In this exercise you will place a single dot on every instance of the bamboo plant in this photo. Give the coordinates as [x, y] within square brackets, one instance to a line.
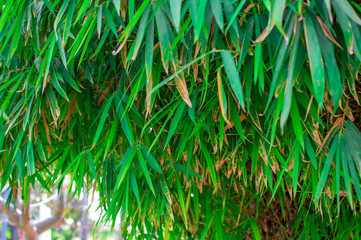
[214, 119]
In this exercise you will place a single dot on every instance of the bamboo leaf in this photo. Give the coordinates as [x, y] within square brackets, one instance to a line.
[117, 6]
[218, 12]
[233, 76]
[175, 8]
[181, 199]
[135, 187]
[145, 171]
[103, 118]
[326, 168]
[57, 86]
[316, 65]
[235, 14]
[165, 190]
[277, 9]
[175, 121]
[210, 165]
[126, 161]
[185, 170]
[91, 163]
[222, 97]
[290, 79]
[150, 159]
[346, 7]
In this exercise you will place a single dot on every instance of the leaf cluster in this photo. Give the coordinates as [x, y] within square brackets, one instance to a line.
[191, 118]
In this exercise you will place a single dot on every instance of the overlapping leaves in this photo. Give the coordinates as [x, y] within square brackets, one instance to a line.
[189, 117]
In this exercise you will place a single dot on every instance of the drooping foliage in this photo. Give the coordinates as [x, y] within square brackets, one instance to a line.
[212, 119]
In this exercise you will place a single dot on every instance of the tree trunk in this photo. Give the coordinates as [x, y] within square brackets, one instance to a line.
[25, 221]
[22, 217]
[4, 219]
[84, 217]
[14, 233]
[31, 235]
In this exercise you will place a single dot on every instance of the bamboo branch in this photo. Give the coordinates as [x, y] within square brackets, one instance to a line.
[13, 213]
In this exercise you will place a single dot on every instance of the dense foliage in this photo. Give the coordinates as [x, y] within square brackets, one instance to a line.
[212, 119]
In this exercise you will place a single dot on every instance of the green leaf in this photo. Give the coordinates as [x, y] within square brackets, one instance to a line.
[150, 159]
[310, 151]
[296, 122]
[316, 65]
[235, 117]
[110, 21]
[290, 79]
[338, 170]
[165, 189]
[217, 10]
[185, 170]
[82, 9]
[175, 8]
[219, 227]
[103, 117]
[296, 166]
[346, 176]
[255, 230]
[140, 32]
[30, 159]
[346, 7]
[235, 14]
[222, 97]
[39, 148]
[134, 21]
[353, 156]
[117, 6]
[163, 36]
[57, 86]
[135, 187]
[126, 161]
[280, 175]
[198, 17]
[175, 121]
[333, 73]
[210, 165]
[86, 29]
[46, 62]
[149, 49]
[5, 12]
[233, 76]
[326, 168]
[60, 15]
[277, 9]
[99, 19]
[181, 199]
[111, 135]
[54, 107]
[179, 71]
[280, 59]
[91, 163]
[145, 171]
[65, 74]
[206, 228]
[124, 120]
[68, 22]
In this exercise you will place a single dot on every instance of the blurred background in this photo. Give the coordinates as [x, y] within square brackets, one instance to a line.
[81, 217]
